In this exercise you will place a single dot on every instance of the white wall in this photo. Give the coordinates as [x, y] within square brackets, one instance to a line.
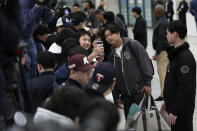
[112, 5]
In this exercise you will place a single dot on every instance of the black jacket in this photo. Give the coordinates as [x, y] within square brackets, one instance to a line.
[41, 88]
[184, 8]
[140, 31]
[134, 68]
[169, 7]
[71, 82]
[160, 41]
[180, 82]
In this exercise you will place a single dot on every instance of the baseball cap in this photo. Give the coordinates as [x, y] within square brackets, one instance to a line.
[104, 75]
[79, 62]
[63, 21]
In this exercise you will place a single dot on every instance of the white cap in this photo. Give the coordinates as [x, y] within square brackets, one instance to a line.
[59, 22]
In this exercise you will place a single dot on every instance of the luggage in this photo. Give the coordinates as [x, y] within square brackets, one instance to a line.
[146, 118]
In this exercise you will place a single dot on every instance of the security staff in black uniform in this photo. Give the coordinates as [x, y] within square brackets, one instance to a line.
[180, 82]
[182, 10]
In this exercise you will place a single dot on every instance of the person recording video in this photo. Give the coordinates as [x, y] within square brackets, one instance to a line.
[32, 12]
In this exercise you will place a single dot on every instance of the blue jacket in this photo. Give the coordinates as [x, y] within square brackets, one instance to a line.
[32, 15]
[193, 8]
[61, 74]
[41, 88]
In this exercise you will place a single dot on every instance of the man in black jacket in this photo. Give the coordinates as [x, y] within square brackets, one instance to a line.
[140, 27]
[159, 45]
[43, 86]
[182, 10]
[169, 11]
[180, 83]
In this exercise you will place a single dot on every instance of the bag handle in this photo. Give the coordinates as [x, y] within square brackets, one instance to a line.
[147, 102]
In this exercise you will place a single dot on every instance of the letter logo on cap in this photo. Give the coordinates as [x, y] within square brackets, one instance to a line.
[85, 60]
[99, 77]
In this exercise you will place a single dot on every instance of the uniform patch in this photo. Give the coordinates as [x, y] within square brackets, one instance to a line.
[127, 55]
[184, 69]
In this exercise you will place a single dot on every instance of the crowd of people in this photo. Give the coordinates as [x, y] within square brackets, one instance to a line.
[69, 59]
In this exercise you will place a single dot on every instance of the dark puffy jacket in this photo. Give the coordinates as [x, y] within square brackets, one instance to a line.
[160, 41]
[180, 82]
[41, 88]
[134, 69]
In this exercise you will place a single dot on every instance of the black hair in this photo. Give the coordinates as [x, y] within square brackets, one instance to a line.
[77, 50]
[112, 28]
[76, 4]
[67, 45]
[179, 27]
[100, 112]
[109, 16]
[64, 34]
[46, 59]
[121, 17]
[77, 17]
[91, 5]
[82, 33]
[69, 9]
[67, 101]
[50, 40]
[98, 12]
[137, 10]
[41, 30]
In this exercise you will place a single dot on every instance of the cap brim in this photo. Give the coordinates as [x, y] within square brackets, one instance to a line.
[85, 68]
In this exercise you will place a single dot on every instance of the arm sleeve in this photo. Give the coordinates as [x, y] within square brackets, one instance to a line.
[48, 15]
[185, 9]
[144, 62]
[161, 38]
[191, 10]
[185, 88]
[28, 15]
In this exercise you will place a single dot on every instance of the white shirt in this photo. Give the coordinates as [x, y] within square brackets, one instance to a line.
[118, 51]
[44, 115]
[54, 48]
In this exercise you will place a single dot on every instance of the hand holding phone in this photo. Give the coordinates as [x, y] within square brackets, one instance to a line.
[99, 44]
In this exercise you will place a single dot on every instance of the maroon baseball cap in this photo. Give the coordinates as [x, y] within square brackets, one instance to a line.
[79, 62]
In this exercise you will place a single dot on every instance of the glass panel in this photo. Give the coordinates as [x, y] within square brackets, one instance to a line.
[131, 4]
[148, 12]
[140, 4]
[123, 10]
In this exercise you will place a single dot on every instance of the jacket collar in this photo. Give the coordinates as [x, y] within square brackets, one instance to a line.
[73, 82]
[173, 52]
[47, 73]
[138, 18]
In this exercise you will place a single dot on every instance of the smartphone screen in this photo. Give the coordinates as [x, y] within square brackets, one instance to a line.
[66, 12]
[100, 43]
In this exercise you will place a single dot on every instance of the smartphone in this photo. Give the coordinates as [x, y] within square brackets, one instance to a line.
[66, 12]
[99, 42]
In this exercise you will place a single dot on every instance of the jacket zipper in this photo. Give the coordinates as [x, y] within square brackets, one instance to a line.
[127, 87]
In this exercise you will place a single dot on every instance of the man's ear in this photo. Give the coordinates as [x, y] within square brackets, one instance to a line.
[55, 66]
[77, 119]
[39, 67]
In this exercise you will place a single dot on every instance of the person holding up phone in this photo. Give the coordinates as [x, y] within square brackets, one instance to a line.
[84, 38]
